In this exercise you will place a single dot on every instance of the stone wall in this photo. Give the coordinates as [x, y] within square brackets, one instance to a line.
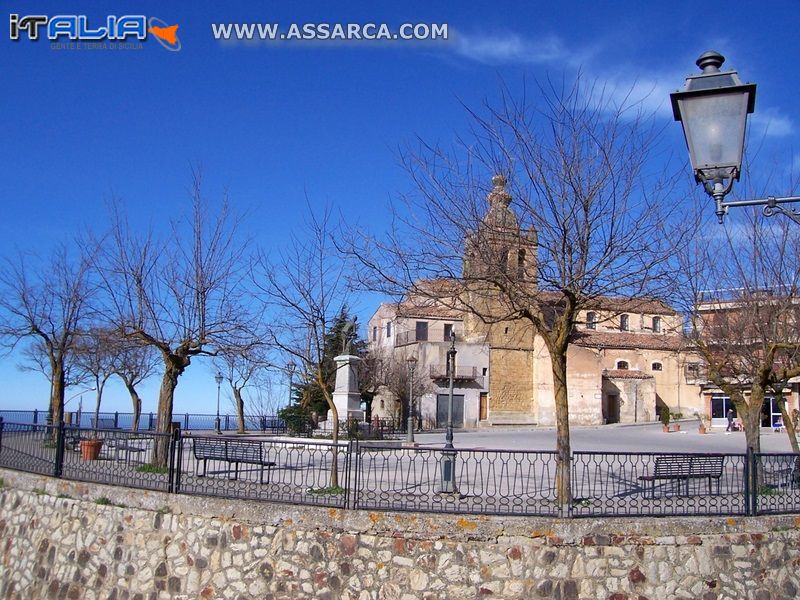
[57, 542]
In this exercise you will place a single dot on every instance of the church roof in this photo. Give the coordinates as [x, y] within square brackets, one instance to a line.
[626, 374]
[622, 340]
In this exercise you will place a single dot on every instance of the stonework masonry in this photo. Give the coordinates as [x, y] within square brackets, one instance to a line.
[57, 542]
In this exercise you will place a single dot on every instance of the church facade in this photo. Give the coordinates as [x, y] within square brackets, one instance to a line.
[627, 360]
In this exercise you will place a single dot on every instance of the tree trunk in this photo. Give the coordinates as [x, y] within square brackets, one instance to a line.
[237, 394]
[788, 424]
[558, 361]
[333, 416]
[750, 413]
[57, 395]
[166, 396]
[137, 405]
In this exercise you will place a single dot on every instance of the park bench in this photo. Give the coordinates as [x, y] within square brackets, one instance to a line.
[103, 423]
[781, 472]
[684, 468]
[234, 452]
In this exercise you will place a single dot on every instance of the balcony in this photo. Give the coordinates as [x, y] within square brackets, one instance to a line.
[404, 338]
[462, 374]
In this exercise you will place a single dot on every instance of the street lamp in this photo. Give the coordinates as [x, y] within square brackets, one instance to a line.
[412, 364]
[448, 478]
[290, 367]
[713, 108]
[218, 378]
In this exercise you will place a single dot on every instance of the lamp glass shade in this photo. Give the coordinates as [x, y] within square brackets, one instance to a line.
[714, 126]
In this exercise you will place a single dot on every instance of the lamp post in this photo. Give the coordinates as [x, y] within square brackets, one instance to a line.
[713, 108]
[447, 485]
[290, 368]
[218, 378]
[412, 363]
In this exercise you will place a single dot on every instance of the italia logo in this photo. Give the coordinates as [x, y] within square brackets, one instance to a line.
[78, 28]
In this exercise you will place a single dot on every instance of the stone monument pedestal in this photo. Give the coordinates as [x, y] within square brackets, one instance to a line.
[346, 396]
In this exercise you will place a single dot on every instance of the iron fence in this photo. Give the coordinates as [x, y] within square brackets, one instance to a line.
[497, 482]
[641, 484]
[267, 470]
[386, 476]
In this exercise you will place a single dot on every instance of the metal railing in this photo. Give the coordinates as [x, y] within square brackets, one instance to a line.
[496, 482]
[147, 420]
[391, 477]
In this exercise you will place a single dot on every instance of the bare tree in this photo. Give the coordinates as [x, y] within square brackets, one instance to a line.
[584, 218]
[133, 363]
[743, 294]
[241, 367]
[388, 375]
[182, 296]
[46, 304]
[305, 287]
[94, 357]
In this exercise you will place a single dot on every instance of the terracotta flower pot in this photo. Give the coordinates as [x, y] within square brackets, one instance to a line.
[676, 428]
[702, 429]
[90, 449]
[665, 428]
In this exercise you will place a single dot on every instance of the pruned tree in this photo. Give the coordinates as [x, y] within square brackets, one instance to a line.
[133, 363]
[390, 376]
[304, 287]
[46, 303]
[94, 357]
[183, 295]
[576, 212]
[743, 295]
[241, 366]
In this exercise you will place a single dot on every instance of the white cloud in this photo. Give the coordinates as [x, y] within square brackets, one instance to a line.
[510, 48]
[769, 122]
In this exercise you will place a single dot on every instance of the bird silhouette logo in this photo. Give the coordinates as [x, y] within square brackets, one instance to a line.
[166, 35]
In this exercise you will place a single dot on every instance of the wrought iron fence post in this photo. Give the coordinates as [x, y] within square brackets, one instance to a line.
[35, 416]
[175, 460]
[116, 419]
[227, 422]
[59, 462]
[353, 465]
[1, 434]
[186, 421]
[150, 422]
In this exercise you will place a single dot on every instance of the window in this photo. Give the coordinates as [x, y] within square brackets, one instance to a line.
[656, 324]
[484, 371]
[622, 365]
[422, 331]
[389, 329]
[591, 320]
[521, 264]
[624, 323]
[448, 329]
[374, 333]
[657, 366]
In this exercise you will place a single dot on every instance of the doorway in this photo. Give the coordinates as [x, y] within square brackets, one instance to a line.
[612, 408]
[441, 410]
[483, 406]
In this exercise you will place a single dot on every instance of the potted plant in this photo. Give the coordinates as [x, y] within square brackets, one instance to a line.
[90, 448]
[665, 420]
[703, 425]
[676, 416]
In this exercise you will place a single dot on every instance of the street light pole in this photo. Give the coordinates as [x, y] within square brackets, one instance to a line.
[448, 478]
[218, 378]
[412, 363]
[713, 108]
[290, 367]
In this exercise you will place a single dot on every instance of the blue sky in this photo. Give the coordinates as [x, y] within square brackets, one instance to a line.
[274, 123]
